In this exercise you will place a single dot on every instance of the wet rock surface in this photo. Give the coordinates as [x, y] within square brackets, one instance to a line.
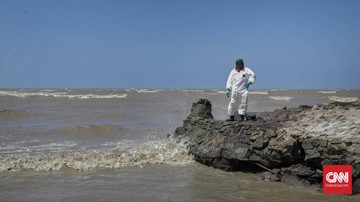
[288, 145]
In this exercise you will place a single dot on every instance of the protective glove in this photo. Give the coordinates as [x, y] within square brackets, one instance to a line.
[248, 83]
[228, 92]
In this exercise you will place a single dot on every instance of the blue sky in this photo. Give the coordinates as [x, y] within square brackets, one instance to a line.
[178, 44]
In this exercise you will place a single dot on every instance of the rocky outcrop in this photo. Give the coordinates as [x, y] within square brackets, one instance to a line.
[288, 145]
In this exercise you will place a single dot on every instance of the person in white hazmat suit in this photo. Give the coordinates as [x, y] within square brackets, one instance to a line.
[237, 86]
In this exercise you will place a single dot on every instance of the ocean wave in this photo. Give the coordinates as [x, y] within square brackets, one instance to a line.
[47, 90]
[250, 92]
[259, 92]
[90, 129]
[35, 147]
[327, 92]
[192, 90]
[92, 96]
[146, 91]
[285, 98]
[60, 95]
[156, 152]
[343, 99]
[9, 113]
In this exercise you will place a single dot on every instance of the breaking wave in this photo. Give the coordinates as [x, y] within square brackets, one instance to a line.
[259, 92]
[284, 98]
[220, 91]
[327, 92]
[192, 90]
[92, 96]
[146, 91]
[343, 99]
[278, 90]
[250, 92]
[156, 152]
[90, 129]
[60, 95]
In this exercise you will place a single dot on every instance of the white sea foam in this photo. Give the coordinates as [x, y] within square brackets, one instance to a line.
[343, 99]
[220, 91]
[156, 152]
[250, 92]
[60, 95]
[192, 90]
[47, 90]
[259, 92]
[23, 94]
[284, 98]
[277, 90]
[327, 92]
[146, 91]
[92, 96]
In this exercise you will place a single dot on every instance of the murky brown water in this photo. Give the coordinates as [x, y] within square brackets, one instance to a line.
[109, 145]
[153, 183]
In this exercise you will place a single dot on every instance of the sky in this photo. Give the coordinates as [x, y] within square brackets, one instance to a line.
[289, 44]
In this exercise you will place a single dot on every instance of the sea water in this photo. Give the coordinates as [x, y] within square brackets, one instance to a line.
[112, 145]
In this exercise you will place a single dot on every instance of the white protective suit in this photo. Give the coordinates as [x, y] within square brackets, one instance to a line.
[237, 85]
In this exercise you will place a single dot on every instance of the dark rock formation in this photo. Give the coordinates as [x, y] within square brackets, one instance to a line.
[274, 145]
